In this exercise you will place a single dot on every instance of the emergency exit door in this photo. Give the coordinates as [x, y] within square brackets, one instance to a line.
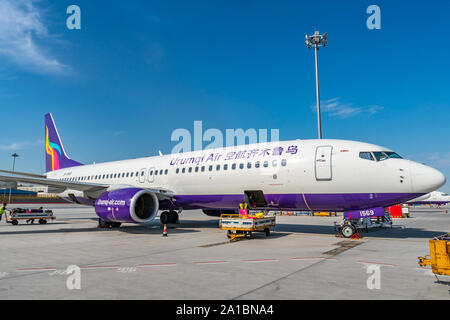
[323, 163]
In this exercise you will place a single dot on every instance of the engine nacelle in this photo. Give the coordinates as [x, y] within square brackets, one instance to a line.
[127, 205]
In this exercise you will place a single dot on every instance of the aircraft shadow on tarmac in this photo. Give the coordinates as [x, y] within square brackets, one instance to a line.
[396, 232]
[189, 226]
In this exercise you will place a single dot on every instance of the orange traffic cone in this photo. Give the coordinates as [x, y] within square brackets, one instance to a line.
[165, 231]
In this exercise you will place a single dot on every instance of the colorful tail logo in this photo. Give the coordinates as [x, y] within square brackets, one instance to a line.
[53, 150]
[55, 155]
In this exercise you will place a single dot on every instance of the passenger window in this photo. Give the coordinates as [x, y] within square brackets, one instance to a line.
[249, 165]
[166, 172]
[225, 167]
[203, 169]
[190, 169]
[177, 171]
[283, 162]
[241, 166]
[128, 174]
[274, 163]
[183, 170]
[196, 169]
[218, 167]
[366, 155]
[257, 164]
[131, 174]
[156, 172]
[210, 168]
[151, 173]
[161, 172]
[266, 164]
[233, 166]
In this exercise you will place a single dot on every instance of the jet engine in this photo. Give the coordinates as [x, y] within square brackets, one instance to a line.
[133, 205]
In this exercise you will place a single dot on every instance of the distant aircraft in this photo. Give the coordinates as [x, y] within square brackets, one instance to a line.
[315, 175]
[435, 197]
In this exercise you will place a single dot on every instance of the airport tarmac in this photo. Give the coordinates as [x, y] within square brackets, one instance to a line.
[302, 259]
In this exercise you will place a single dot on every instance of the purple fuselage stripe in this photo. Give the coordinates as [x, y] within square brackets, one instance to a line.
[316, 202]
[330, 202]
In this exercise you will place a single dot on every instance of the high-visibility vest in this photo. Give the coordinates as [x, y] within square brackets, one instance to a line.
[2, 210]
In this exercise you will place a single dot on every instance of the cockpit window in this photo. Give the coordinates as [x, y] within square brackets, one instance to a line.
[380, 156]
[366, 155]
[393, 155]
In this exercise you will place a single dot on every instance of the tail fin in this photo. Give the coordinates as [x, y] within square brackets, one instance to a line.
[55, 156]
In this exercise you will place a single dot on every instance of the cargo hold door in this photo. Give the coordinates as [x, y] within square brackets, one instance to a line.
[323, 163]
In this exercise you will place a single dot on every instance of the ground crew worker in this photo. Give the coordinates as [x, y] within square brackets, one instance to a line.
[2, 210]
[243, 212]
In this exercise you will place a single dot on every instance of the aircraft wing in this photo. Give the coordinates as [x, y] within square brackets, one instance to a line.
[81, 186]
[35, 175]
[161, 193]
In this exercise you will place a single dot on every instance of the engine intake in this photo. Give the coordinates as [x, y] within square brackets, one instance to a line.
[127, 205]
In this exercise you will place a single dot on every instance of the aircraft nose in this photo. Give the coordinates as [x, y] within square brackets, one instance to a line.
[425, 179]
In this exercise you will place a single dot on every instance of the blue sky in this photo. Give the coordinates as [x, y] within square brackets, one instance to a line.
[138, 70]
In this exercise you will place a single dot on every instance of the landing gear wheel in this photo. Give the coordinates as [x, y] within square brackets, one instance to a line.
[165, 217]
[15, 222]
[103, 224]
[348, 230]
[42, 221]
[173, 217]
[267, 230]
[116, 224]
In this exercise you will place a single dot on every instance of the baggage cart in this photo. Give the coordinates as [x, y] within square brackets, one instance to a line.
[242, 227]
[18, 214]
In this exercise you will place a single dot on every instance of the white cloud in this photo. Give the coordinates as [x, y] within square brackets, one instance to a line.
[20, 145]
[21, 24]
[345, 110]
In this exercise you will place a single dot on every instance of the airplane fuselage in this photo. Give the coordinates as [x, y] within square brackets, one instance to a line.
[299, 174]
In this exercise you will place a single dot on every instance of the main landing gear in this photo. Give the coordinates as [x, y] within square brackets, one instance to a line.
[102, 224]
[167, 217]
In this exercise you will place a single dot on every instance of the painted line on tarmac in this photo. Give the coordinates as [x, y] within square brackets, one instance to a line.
[210, 262]
[149, 265]
[260, 260]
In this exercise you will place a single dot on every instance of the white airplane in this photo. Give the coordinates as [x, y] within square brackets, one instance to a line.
[325, 175]
[435, 197]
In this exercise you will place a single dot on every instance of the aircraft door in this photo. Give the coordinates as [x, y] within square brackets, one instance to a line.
[323, 163]
[151, 174]
[142, 175]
